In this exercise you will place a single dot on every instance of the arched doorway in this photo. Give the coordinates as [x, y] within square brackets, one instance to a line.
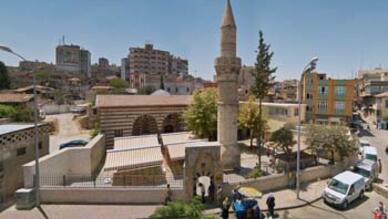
[172, 123]
[202, 165]
[144, 125]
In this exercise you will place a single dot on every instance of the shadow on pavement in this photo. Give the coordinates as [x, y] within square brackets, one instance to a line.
[41, 210]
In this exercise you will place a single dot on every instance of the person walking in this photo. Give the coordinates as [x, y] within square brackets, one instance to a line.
[383, 210]
[220, 197]
[257, 211]
[225, 208]
[377, 214]
[271, 205]
[239, 208]
[212, 191]
[168, 195]
[203, 191]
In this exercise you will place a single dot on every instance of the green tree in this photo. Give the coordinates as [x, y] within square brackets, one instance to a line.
[180, 209]
[42, 76]
[249, 118]
[283, 139]
[147, 90]
[4, 78]
[16, 113]
[201, 116]
[119, 83]
[332, 139]
[264, 80]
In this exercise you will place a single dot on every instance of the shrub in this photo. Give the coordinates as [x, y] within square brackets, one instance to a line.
[181, 209]
[255, 173]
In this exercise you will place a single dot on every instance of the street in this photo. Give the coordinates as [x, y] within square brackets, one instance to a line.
[68, 130]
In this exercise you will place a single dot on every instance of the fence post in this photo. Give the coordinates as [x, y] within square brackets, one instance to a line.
[64, 180]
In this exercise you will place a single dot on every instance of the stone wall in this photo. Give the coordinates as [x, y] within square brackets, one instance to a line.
[280, 181]
[124, 118]
[18, 148]
[122, 195]
[82, 161]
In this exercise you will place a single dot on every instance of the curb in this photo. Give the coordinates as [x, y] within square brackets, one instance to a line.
[218, 210]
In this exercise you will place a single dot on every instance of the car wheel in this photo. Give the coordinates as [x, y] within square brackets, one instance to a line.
[345, 205]
[361, 194]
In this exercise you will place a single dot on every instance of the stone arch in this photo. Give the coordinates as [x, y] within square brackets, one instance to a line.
[172, 123]
[203, 160]
[145, 124]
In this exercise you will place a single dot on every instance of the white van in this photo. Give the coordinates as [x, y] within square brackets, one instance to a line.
[367, 169]
[343, 189]
[369, 153]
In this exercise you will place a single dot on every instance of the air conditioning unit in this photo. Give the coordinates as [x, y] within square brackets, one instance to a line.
[25, 198]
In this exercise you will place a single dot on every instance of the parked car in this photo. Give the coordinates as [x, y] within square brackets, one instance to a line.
[73, 143]
[367, 169]
[77, 109]
[364, 143]
[343, 189]
[369, 153]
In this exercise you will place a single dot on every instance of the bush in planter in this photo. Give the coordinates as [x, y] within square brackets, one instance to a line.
[255, 173]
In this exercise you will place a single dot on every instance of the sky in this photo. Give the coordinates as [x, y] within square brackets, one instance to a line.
[346, 35]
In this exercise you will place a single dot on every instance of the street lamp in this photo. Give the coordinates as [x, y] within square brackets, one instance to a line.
[37, 176]
[307, 69]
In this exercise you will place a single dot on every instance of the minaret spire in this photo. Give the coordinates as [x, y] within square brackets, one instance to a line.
[228, 16]
[228, 32]
[228, 67]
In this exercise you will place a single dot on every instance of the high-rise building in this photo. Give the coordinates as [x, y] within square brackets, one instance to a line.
[71, 58]
[327, 100]
[124, 69]
[148, 60]
[228, 66]
[103, 63]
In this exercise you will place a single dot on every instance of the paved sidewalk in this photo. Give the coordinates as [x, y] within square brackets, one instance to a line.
[81, 211]
[286, 199]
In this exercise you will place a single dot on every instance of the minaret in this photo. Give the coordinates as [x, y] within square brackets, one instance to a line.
[228, 67]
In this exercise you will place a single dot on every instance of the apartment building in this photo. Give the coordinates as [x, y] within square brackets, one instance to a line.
[148, 60]
[327, 100]
[382, 110]
[74, 59]
[371, 83]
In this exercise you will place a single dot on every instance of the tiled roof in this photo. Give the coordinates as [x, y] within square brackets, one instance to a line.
[15, 98]
[133, 158]
[142, 100]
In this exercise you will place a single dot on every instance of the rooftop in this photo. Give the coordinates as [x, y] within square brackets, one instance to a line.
[348, 177]
[142, 100]
[9, 128]
[15, 98]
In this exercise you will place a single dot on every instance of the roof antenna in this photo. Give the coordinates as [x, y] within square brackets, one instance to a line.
[63, 39]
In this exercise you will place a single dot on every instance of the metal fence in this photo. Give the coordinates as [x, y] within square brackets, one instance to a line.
[111, 181]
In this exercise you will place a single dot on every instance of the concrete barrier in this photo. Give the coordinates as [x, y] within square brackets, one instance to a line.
[108, 195]
[80, 161]
[381, 189]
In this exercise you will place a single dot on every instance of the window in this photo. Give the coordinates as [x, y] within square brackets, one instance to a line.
[188, 90]
[386, 103]
[340, 90]
[322, 106]
[20, 151]
[118, 133]
[339, 106]
[323, 90]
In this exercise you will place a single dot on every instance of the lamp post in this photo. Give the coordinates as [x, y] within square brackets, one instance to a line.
[307, 69]
[37, 175]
